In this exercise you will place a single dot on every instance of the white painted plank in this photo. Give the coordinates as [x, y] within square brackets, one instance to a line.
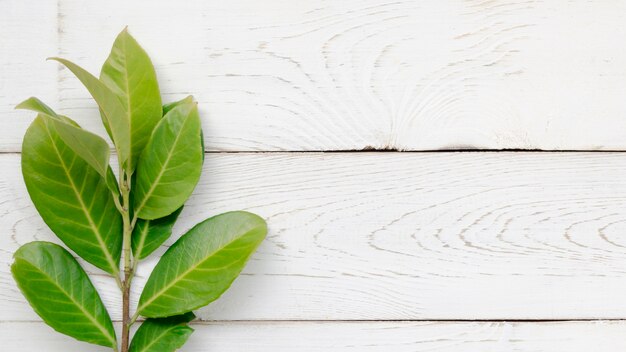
[310, 75]
[28, 34]
[358, 336]
[397, 235]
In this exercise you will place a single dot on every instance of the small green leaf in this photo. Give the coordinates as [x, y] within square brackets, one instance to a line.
[170, 166]
[72, 198]
[202, 264]
[59, 291]
[115, 115]
[36, 105]
[148, 235]
[163, 334]
[89, 146]
[129, 73]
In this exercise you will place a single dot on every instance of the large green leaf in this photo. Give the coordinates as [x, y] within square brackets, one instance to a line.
[170, 166]
[202, 264]
[115, 116]
[148, 235]
[61, 293]
[162, 334]
[72, 198]
[129, 73]
[91, 147]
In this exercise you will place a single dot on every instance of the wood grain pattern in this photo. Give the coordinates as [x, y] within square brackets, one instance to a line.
[342, 75]
[28, 34]
[359, 240]
[381, 236]
[358, 336]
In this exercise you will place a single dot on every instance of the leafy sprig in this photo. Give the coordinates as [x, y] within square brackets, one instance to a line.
[107, 220]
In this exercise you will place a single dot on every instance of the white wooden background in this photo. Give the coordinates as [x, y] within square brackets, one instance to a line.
[367, 251]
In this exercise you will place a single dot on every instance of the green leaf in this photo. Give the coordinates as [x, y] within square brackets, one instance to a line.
[115, 116]
[148, 235]
[169, 106]
[36, 105]
[89, 146]
[163, 334]
[129, 73]
[202, 264]
[170, 166]
[59, 291]
[72, 198]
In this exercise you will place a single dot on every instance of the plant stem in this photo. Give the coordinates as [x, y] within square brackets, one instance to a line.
[128, 265]
[126, 316]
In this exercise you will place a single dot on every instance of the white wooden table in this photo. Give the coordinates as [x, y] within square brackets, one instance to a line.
[433, 249]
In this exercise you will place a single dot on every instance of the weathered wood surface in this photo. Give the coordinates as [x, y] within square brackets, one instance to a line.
[28, 34]
[397, 235]
[343, 75]
[358, 337]
[367, 236]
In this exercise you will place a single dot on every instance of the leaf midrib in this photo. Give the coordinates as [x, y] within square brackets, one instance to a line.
[128, 102]
[142, 239]
[76, 303]
[92, 224]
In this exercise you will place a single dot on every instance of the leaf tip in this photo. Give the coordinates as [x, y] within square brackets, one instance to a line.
[24, 104]
[124, 32]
